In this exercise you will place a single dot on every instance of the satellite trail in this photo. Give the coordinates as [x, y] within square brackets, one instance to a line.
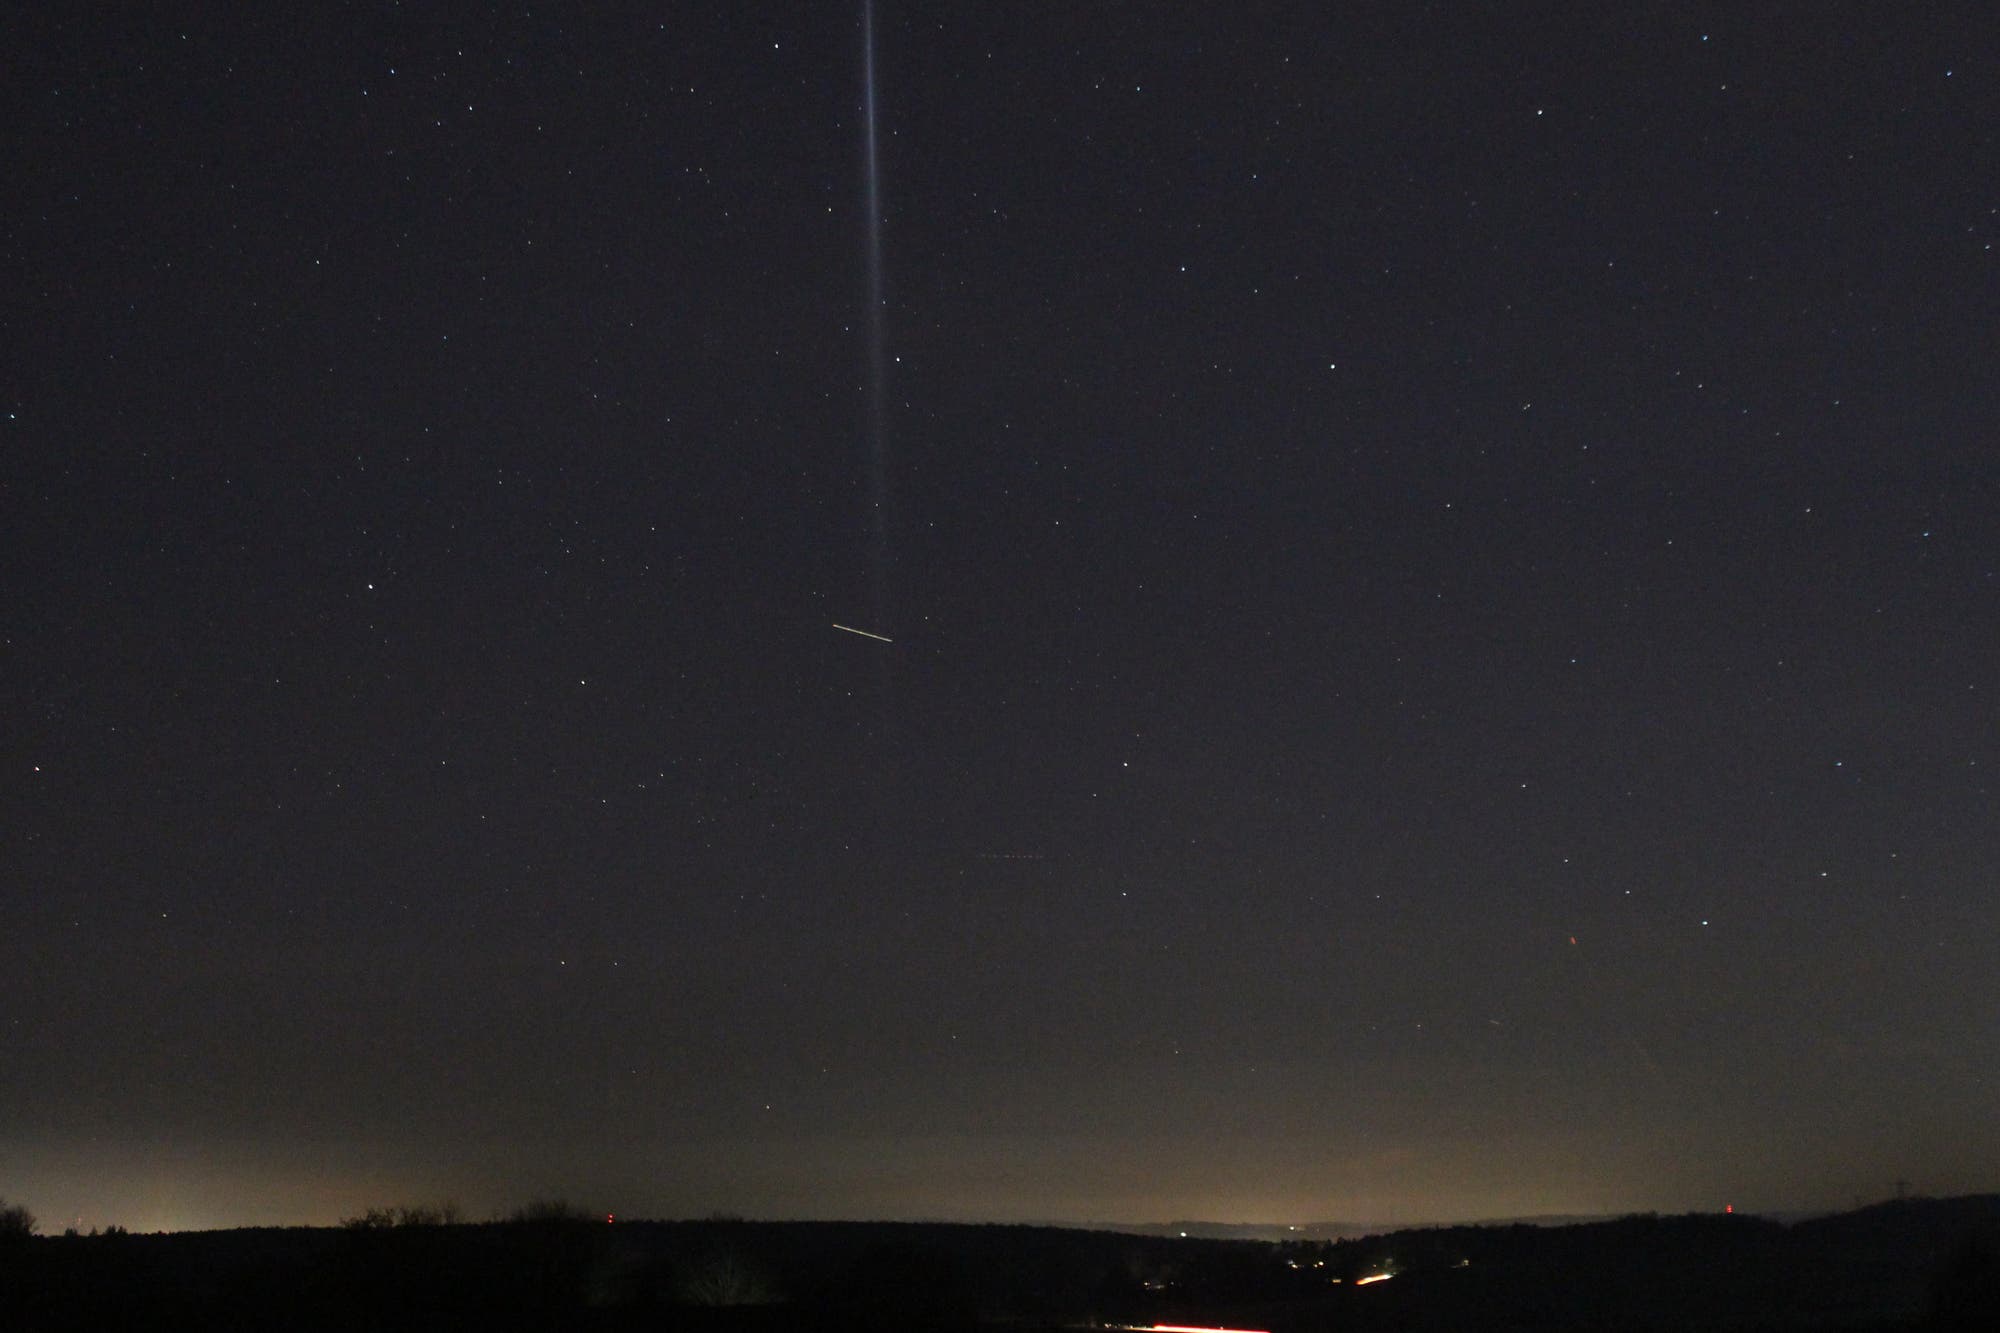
[879, 638]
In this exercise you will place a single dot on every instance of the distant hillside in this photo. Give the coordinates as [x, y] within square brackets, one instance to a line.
[1918, 1264]
[1282, 1231]
[1261, 1231]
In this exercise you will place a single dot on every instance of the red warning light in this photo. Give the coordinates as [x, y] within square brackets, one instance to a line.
[610, 1218]
[1728, 1207]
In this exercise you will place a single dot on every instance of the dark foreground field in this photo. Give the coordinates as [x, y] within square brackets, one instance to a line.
[1911, 1264]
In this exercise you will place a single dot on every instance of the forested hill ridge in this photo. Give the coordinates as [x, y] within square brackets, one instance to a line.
[1911, 1264]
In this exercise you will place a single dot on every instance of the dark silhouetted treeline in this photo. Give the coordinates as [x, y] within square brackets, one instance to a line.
[1913, 1264]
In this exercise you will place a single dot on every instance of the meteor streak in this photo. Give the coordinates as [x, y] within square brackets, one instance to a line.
[878, 427]
[863, 633]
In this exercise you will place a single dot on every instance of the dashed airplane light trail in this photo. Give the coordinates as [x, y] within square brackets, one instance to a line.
[863, 633]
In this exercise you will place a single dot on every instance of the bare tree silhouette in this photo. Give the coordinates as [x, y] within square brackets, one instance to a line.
[410, 1215]
[723, 1276]
[16, 1222]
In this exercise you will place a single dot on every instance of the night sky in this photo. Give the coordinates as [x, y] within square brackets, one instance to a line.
[1441, 561]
